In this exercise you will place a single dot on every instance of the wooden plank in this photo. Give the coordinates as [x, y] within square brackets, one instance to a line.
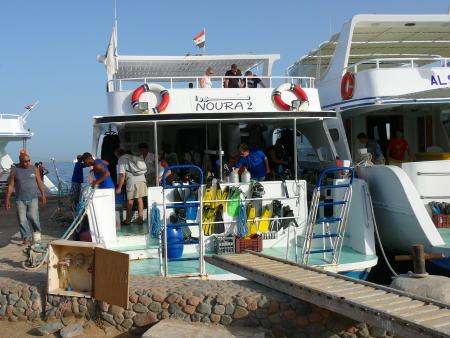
[369, 294]
[308, 279]
[346, 287]
[404, 307]
[389, 298]
[112, 277]
[325, 283]
[438, 322]
[421, 311]
[354, 292]
[422, 318]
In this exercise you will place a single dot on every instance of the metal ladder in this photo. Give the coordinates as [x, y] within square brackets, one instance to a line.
[163, 245]
[335, 236]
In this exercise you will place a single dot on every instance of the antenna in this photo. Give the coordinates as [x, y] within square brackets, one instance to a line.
[115, 23]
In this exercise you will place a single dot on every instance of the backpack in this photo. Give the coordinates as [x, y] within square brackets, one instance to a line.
[136, 165]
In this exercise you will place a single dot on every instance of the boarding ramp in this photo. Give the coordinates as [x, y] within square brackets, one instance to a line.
[396, 311]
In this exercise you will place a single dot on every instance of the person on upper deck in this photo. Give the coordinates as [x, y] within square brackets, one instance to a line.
[101, 172]
[251, 81]
[255, 161]
[233, 82]
[372, 147]
[205, 81]
[397, 149]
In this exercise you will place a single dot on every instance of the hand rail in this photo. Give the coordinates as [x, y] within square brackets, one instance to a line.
[445, 62]
[328, 170]
[304, 81]
[420, 173]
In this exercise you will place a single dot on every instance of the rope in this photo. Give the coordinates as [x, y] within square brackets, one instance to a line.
[87, 196]
[242, 226]
[155, 221]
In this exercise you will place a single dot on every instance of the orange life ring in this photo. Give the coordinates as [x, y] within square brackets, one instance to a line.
[347, 86]
[297, 90]
[153, 87]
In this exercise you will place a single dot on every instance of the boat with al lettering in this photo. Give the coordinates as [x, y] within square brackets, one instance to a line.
[310, 212]
[385, 74]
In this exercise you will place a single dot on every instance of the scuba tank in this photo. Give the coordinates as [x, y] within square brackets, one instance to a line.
[233, 177]
[246, 176]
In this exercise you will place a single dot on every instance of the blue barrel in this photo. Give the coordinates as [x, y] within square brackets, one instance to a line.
[174, 243]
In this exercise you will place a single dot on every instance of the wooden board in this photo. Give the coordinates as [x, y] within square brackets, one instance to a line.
[112, 277]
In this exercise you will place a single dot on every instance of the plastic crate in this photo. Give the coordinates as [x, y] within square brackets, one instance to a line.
[441, 220]
[224, 245]
[254, 244]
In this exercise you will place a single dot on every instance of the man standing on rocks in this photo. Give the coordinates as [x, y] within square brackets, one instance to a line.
[26, 180]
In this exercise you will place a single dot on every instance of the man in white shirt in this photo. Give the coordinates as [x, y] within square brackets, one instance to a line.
[136, 186]
[149, 159]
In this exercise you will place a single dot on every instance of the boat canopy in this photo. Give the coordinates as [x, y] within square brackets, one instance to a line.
[133, 67]
[382, 36]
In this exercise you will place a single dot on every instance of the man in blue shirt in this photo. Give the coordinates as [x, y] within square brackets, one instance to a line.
[372, 147]
[255, 161]
[77, 181]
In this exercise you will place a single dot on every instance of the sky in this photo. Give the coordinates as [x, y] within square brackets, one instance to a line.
[49, 48]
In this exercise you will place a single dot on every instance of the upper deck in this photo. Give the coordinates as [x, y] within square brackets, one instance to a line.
[180, 76]
[12, 127]
[392, 58]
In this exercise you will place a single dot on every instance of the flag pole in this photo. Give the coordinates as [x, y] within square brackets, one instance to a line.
[204, 45]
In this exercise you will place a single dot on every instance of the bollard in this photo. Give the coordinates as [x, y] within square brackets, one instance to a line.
[418, 256]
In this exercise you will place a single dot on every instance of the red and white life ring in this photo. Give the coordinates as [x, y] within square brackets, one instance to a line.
[297, 90]
[153, 87]
[347, 86]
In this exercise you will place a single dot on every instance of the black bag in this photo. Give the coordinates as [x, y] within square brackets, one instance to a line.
[287, 212]
[276, 208]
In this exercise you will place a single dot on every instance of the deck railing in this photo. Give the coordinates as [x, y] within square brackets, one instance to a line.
[10, 117]
[179, 82]
[399, 63]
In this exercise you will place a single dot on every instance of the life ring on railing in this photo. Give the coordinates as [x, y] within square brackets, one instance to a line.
[297, 90]
[153, 87]
[347, 86]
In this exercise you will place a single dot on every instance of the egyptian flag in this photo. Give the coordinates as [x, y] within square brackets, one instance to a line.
[200, 39]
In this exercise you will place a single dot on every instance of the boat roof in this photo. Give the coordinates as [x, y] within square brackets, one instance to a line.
[384, 36]
[132, 67]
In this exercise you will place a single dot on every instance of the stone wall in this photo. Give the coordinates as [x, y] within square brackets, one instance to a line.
[19, 302]
[225, 302]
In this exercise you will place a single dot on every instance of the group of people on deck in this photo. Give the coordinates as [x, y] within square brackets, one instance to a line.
[232, 79]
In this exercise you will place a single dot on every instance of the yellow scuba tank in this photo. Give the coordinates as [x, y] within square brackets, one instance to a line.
[263, 225]
[251, 214]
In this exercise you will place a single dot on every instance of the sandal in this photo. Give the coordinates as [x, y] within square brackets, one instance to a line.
[126, 223]
[140, 221]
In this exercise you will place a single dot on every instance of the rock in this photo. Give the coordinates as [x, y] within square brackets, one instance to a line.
[172, 298]
[214, 318]
[226, 320]
[133, 298]
[204, 308]
[241, 302]
[129, 314]
[118, 318]
[18, 311]
[71, 331]
[195, 317]
[104, 306]
[158, 297]
[219, 309]
[127, 324]
[140, 308]
[144, 319]
[229, 309]
[3, 300]
[155, 307]
[21, 304]
[273, 307]
[377, 332]
[12, 298]
[49, 328]
[314, 317]
[275, 318]
[194, 301]
[174, 308]
[115, 310]
[189, 309]
[363, 330]
[26, 294]
[108, 318]
[240, 312]
[145, 300]
[82, 308]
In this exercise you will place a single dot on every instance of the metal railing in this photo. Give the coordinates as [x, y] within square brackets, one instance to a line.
[10, 117]
[399, 62]
[217, 81]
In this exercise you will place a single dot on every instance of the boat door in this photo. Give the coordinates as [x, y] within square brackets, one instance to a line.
[382, 128]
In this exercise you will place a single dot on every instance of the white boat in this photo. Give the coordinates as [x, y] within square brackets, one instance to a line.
[385, 73]
[12, 129]
[150, 100]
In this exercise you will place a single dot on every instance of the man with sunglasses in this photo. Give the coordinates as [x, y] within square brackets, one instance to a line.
[26, 181]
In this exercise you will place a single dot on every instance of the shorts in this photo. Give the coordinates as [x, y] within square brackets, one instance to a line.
[136, 190]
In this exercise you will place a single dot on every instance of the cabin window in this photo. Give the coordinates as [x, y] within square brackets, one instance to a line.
[334, 133]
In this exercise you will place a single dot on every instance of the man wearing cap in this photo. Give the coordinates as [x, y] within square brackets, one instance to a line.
[25, 180]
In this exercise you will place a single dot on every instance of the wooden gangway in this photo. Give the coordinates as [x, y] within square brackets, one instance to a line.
[401, 313]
